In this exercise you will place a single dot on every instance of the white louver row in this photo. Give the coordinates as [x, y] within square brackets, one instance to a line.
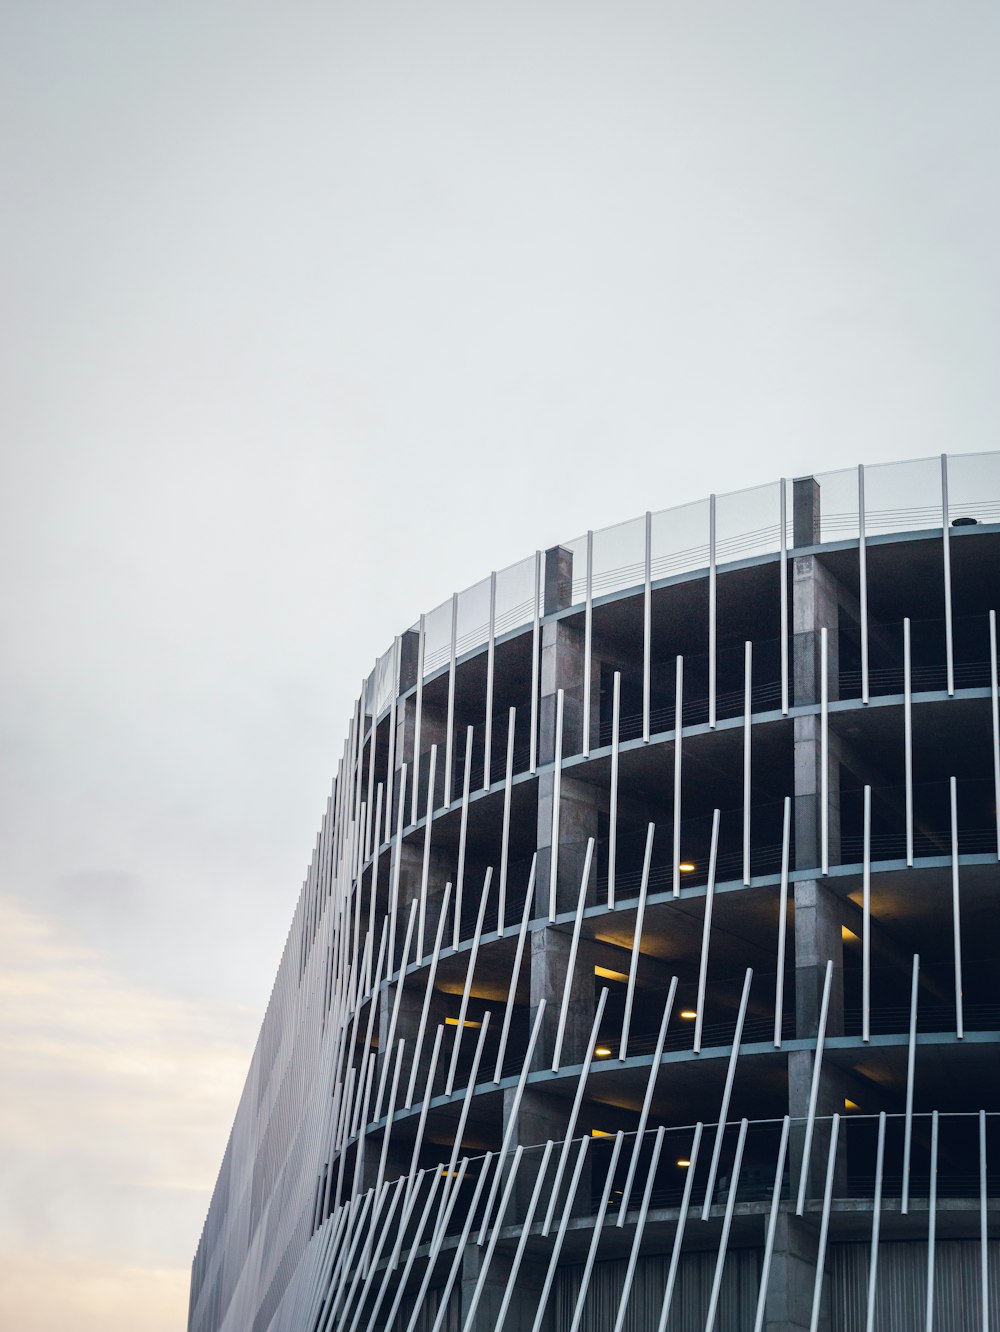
[644, 973]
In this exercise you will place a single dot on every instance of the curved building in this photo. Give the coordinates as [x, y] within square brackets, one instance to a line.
[645, 974]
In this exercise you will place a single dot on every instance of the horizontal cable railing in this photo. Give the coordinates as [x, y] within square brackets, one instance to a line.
[712, 1166]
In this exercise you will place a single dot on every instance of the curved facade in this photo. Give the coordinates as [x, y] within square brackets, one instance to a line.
[645, 971]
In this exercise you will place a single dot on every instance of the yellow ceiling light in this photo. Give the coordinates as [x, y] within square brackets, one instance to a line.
[686, 867]
[688, 1014]
[482, 989]
[453, 1022]
[683, 1163]
[850, 1105]
[600, 1133]
[602, 1051]
[607, 974]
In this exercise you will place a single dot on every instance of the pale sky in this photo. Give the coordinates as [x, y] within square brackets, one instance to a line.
[313, 314]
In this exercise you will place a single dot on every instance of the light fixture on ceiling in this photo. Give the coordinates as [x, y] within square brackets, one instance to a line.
[607, 974]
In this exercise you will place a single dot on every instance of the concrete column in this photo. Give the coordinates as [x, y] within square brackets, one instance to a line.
[549, 958]
[524, 1302]
[817, 603]
[818, 916]
[407, 1028]
[433, 731]
[561, 668]
[808, 769]
[819, 919]
[791, 1278]
[579, 806]
[441, 870]
[558, 590]
[411, 1002]
[805, 511]
[816, 599]
[542, 1118]
[834, 1086]
[406, 716]
[409, 659]
[397, 1160]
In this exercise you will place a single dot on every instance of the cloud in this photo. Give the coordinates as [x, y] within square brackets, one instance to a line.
[115, 1102]
[37, 1296]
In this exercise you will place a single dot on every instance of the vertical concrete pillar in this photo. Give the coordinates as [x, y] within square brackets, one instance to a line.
[542, 1118]
[409, 659]
[550, 949]
[433, 731]
[816, 598]
[558, 590]
[816, 605]
[412, 998]
[818, 917]
[562, 663]
[407, 1029]
[561, 668]
[791, 1278]
[580, 805]
[524, 1301]
[818, 939]
[440, 870]
[406, 716]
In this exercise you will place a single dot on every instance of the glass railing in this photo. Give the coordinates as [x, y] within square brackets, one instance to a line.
[899, 496]
[386, 680]
[619, 559]
[838, 505]
[472, 620]
[974, 487]
[515, 596]
[437, 637]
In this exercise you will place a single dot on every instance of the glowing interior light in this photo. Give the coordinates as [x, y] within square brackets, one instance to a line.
[453, 1022]
[683, 1163]
[689, 1014]
[600, 1133]
[686, 867]
[602, 1051]
[850, 1105]
[607, 974]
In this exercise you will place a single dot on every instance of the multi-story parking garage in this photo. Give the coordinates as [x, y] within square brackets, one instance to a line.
[645, 971]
